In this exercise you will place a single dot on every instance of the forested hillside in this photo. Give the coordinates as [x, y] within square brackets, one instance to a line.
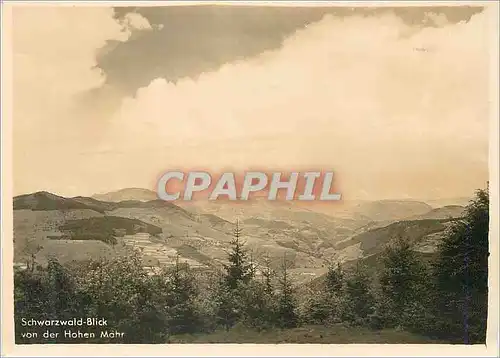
[400, 296]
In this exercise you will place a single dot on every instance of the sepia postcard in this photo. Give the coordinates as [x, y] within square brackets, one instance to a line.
[250, 178]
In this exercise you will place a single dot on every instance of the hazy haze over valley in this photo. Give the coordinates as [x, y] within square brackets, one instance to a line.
[200, 232]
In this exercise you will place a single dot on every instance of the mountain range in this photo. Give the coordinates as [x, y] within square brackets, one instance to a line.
[199, 232]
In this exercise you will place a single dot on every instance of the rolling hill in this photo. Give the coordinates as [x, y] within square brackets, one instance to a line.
[200, 232]
[384, 210]
[136, 194]
[44, 201]
[424, 235]
[414, 230]
[445, 212]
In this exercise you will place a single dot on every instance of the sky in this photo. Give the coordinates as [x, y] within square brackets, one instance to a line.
[393, 100]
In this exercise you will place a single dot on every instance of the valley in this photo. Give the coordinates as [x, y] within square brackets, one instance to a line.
[199, 232]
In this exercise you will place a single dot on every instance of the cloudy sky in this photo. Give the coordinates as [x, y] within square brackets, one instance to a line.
[395, 101]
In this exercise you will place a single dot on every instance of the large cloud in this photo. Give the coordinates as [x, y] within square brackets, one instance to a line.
[54, 52]
[394, 109]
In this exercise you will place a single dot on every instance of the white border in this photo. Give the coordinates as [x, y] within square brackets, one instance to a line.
[226, 350]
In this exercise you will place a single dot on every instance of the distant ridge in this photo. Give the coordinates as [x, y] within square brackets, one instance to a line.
[45, 201]
[445, 212]
[126, 194]
[383, 210]
[459, 201]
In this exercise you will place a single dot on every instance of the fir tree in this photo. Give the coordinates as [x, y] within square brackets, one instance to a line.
[318, 307]
[228, 304]
[462, 274]
[183, 316]
[239, 269]
[286, 308]
[334, 279]
[259, 310]
[238, 274]
[359, 300]
[403, 284]
[268, 273]
[324, 305]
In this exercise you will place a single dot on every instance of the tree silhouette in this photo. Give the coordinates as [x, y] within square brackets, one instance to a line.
[286, 310]
[359, 299]
[403, 283]
[462, 274]
[239, 269]
[183, 316]
[334, 279]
